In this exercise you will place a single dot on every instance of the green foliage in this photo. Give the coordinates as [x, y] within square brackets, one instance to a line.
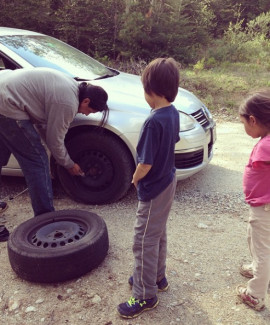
[259, 26]
[90, 26]
[199, 66]
[250, 44]
[163, 28]
[223, 87]
[188, 30]
[25, 14]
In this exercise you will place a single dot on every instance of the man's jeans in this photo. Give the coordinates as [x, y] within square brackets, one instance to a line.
[22, 140]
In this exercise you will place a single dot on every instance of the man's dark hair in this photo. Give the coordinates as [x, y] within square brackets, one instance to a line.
[98, 99]
[161, 76]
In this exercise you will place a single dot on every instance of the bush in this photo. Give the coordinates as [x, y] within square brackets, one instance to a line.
[248, 46]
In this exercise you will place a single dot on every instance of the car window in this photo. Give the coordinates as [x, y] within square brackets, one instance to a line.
[2, 66]
[5, 63]
[46, 51]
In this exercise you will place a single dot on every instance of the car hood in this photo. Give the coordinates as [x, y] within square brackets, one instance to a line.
[126, 93]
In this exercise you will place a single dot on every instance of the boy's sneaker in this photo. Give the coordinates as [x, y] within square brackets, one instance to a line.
[135, 307]
[253, 302]
[246, 270]
[163, 284]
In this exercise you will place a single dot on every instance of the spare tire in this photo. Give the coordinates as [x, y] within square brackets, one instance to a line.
[58, 246]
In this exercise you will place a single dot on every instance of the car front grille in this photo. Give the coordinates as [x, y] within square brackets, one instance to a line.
[201, 117]
[189, 159]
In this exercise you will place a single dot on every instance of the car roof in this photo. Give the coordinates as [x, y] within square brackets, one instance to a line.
[4, 31]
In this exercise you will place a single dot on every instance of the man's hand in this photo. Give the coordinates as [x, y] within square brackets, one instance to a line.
[76, 170]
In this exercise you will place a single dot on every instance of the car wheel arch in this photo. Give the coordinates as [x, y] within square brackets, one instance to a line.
[78, 130]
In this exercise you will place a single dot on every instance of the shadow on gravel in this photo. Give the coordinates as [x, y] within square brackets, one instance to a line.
[212, 179]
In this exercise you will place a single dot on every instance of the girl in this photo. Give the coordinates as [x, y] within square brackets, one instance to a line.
[255, 115]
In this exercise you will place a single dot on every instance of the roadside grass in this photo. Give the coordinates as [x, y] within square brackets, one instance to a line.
[221, 88]
[224, 87]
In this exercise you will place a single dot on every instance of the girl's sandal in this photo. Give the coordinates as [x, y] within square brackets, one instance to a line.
[3, 206]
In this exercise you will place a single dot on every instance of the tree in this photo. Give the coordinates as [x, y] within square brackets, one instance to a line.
[25, 14]
[161, 28]
[91, 26]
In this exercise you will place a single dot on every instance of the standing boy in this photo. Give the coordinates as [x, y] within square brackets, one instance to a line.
[155, 181]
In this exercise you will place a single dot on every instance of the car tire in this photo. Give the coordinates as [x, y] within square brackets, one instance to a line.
[58, 246]
[107, 164]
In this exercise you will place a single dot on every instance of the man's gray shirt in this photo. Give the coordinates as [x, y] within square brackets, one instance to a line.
[45, 96]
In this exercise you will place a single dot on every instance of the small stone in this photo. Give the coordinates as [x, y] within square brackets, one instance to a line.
[39, 301]
[96, 299]
[202, 226]
[91, 294]
[30, 309]
[60, 297]
[13, 304]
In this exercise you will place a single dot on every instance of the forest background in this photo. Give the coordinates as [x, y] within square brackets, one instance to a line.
[223, 46]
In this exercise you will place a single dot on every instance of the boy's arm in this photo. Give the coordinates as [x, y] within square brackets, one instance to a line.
[140, 172]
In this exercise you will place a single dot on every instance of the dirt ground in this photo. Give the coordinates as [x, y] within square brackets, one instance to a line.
[207, 244]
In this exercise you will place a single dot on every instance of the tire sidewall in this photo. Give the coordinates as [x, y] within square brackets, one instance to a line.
[61, 263]
[19, 238]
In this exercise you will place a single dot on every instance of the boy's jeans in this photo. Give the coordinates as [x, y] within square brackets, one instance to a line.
[150, 243]
[22, 140]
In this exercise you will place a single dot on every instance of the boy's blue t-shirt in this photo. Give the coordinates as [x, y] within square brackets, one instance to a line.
[156, 145]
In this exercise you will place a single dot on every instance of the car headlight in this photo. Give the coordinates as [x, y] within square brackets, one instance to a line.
[186, 122]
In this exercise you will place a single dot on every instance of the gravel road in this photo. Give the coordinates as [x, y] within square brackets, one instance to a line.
[207, 244]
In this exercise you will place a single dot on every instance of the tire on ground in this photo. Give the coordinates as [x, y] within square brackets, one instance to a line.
[107, 164]
[58, 246]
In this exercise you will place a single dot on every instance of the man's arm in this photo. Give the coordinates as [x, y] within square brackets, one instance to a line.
[141, 171]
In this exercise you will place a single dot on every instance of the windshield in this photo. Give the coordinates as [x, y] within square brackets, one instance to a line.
[46, 51]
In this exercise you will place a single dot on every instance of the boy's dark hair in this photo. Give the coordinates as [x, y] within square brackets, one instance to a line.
[161, 76]
[258, 105]
[98, 99]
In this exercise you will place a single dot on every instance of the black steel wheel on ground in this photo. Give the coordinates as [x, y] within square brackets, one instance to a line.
[58, 246]
[107, 164]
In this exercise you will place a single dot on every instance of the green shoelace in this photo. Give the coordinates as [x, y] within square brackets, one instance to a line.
[133, 301]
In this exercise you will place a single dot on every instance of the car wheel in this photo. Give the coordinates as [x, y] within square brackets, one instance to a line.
[58, 246]
[107, 165]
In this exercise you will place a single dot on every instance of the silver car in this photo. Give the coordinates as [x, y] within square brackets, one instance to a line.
[108, 155]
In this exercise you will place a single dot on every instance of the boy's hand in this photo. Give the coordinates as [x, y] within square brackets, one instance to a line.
[140, 172]
[134, 182]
